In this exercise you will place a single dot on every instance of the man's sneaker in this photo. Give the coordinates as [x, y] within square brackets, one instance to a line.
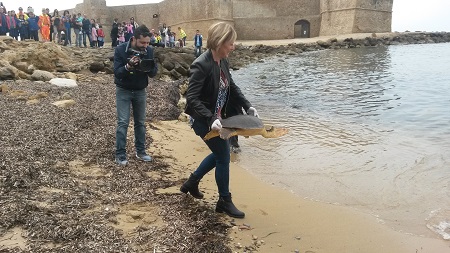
[144, 157]
[122, 160]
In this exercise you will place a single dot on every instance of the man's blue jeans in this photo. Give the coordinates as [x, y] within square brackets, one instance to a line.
[125, 99]
[219, 158]
[88, 35]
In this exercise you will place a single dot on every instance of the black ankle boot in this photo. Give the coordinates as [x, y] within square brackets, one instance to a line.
[225, 205]
[191, 186]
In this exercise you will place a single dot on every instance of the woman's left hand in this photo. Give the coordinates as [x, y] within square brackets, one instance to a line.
[252, 111]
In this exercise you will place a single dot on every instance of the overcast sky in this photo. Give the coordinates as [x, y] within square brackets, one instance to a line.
[412, 15]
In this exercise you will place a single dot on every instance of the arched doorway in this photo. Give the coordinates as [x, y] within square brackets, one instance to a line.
[301, 29]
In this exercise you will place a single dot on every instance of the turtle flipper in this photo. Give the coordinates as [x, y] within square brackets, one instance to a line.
[211, 134]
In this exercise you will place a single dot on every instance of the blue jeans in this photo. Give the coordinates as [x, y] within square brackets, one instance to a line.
[68, 36]
[198, 51]
[125, 99]
[88, 34]
[219, 158]
[77, 37]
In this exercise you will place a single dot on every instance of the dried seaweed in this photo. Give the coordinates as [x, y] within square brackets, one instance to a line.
[59, 182]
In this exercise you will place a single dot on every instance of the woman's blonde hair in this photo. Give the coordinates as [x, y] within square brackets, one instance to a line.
[219, 33]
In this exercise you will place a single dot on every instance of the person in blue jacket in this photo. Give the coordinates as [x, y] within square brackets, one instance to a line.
[198, 42]
[133, 64]
[33, 26]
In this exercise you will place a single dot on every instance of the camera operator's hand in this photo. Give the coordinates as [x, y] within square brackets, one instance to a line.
[133, 62]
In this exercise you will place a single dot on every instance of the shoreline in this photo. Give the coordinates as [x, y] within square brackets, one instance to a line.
[285, 222]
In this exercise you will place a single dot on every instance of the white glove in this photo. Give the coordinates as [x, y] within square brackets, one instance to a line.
[216, 125]
[252, 111]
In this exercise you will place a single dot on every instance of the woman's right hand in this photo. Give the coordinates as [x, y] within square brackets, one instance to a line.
[216, 125]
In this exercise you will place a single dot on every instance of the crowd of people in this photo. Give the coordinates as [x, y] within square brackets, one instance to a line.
[163, 36]
[51, 26]
[56, 27]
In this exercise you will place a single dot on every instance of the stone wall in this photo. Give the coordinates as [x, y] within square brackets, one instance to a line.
[191, 15]
[355, 16]
[268, 19]
[253, 19]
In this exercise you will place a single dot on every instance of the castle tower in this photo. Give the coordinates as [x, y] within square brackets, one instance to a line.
[96, 9]
[355, 16]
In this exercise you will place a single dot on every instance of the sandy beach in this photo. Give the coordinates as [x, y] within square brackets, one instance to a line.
[278, 221]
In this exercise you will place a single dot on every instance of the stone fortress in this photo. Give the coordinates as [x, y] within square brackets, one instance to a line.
[252, 19]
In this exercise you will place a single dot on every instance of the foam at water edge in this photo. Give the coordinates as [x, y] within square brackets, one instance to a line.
[438, 222]
[443, 228]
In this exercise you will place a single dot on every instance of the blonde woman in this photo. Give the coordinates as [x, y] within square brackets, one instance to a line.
[211, 93]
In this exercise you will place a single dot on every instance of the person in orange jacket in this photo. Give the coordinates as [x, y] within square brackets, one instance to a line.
[44, 25]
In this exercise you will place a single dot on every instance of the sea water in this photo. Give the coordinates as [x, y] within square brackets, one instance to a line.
[369, 129]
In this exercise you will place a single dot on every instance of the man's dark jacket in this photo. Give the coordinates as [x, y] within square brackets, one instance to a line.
[131, 80]
[201, 96]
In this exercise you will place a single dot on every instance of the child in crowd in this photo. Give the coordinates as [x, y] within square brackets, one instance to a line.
[23, 27]
[121, 34]
[172, 39]
[33, 21]
[93, 34]
[101, 36]
[129, 31]
[158, 38]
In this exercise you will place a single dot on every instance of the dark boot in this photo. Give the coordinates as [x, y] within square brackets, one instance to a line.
[225, 205]
[191, 186]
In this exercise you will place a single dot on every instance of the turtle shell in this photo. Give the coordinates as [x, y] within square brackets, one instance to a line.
[242, 122]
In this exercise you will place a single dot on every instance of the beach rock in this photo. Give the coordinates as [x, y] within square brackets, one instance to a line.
[71, 75]
[66, 96]
[4, 88]
[64, 82]
[96, 66]
[32, 102]
[8, 72]
[183, 117]
[38, 96]
[182, 103]
[42, 75]
[64, 103]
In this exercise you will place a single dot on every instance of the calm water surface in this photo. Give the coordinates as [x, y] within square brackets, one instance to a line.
[369, 129]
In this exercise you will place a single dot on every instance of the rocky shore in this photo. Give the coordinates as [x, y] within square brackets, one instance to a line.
[60, 189]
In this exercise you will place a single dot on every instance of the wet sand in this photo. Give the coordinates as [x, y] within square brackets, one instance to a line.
[284, 222]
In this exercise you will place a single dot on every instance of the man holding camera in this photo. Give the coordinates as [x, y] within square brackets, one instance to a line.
[133, 64]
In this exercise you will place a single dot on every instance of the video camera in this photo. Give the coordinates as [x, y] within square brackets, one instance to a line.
[144, 65]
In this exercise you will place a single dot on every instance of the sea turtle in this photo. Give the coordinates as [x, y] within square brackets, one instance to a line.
[245, 125]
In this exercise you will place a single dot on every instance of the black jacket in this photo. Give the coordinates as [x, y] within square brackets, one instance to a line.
[131, 80]
[201, 96]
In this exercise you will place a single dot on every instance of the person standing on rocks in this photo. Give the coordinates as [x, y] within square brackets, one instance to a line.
[198, 43]
[3, 22]
[210, 93]
[114, 33]
[182, 36]
[131, 79]
[33, 21]
[44, 25]
[86, 29]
